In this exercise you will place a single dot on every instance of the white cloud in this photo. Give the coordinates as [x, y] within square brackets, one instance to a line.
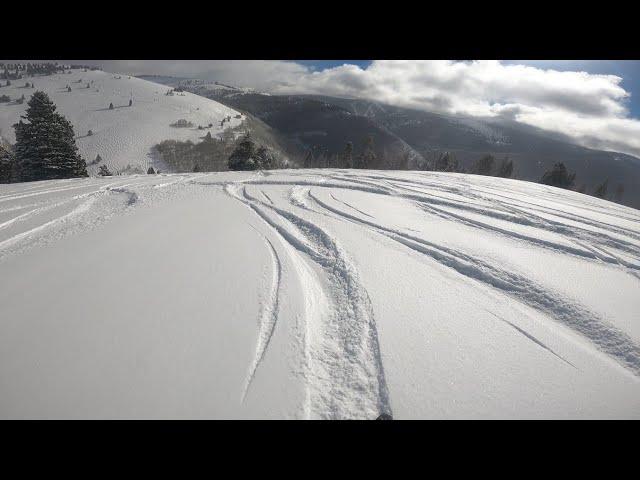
[590, 108]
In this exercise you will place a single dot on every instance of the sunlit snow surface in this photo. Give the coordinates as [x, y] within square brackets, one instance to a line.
[316, 294]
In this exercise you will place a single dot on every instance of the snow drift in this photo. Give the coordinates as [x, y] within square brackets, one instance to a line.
[316, 294]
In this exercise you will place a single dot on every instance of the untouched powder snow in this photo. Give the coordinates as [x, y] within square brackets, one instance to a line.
[124, 136]
[316, 294]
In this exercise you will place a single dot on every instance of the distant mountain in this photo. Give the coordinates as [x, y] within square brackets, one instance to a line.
[533, 150]
[316, 127]
[323, 125]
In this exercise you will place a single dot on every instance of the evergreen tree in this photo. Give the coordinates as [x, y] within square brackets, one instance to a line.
[249, 156]
[368, 157]
[347, 156]
[601, 190]
[104, 171]
[196, 168]
[111, 106]
[447, 162]
[558, 176]
[442, 162]
[242, 158]
[265, 159]
[484, 165]
[45, 145]
[7, 164]
[151, 171]
[505, 170]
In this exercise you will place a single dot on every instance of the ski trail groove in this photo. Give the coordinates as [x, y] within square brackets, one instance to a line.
[269, 316]
[530, 337]
[344, 371]
[605, 337]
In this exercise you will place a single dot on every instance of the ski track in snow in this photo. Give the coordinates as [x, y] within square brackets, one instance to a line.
[79, 216]
[344, 373]
[588, 246]
[269, 315]
[607, 338]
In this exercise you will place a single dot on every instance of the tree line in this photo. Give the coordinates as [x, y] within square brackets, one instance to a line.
[559, 176]
[15, 71]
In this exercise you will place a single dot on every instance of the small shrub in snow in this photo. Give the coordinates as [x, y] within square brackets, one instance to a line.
[182, 123]
[104, 171]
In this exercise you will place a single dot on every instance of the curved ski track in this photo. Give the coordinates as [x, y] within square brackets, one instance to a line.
[589, 246]
[344, 371]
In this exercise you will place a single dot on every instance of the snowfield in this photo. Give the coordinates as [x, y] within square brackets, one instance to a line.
[124, 136]
[316, 294]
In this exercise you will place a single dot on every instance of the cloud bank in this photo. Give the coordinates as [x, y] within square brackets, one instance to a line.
[590, 108]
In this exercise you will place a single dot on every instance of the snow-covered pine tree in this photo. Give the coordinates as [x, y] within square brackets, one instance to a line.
[45, 145]
[242, 158]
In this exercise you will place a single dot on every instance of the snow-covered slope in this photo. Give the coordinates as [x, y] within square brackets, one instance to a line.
[316, 294]
[125, 135]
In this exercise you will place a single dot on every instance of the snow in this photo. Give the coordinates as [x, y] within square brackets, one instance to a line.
[316, 294]
[125, 135]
